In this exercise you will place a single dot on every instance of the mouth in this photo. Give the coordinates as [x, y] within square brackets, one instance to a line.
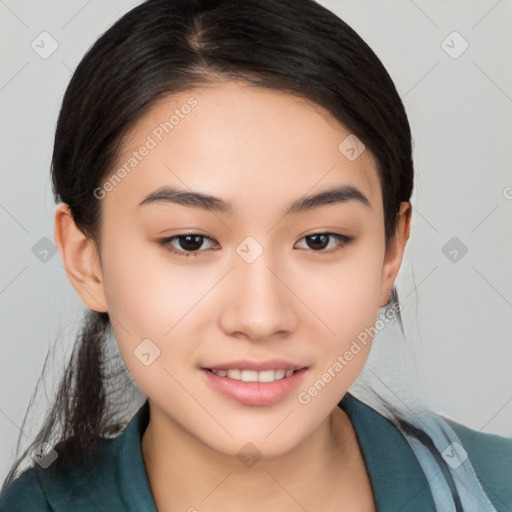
[255, 386]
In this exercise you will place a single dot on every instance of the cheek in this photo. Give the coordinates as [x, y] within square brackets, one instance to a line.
[145, 288]
[344, 295]
[134, 289]
[345, 302]
[149, 300]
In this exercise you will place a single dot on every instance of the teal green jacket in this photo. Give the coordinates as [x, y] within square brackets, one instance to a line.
[116, 480]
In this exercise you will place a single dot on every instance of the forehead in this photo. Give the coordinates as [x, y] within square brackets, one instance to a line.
[235, 140]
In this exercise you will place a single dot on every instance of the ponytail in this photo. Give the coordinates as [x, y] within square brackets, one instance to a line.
[78, 417]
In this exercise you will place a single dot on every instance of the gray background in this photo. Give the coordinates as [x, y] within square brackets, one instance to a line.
[457, 352]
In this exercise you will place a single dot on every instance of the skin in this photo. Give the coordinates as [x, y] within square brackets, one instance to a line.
[260, 149]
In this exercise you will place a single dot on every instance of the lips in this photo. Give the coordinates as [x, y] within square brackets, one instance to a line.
[255, 383]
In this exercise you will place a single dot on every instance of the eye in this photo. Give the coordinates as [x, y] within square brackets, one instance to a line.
[190, 244]
[319, 241]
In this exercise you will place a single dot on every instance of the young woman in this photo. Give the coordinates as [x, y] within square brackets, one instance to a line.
[234, 183]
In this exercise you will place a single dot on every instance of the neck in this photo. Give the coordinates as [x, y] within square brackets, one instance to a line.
[185, 474]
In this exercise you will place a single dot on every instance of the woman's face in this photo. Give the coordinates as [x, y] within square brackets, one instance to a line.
[256, 290]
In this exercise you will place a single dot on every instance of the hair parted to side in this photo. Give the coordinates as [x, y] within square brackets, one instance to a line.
[163, 47]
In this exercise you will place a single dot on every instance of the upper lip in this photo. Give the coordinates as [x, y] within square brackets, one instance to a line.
[270, 364]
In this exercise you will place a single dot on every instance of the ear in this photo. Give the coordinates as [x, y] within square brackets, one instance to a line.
[394, 253]
[81, 260]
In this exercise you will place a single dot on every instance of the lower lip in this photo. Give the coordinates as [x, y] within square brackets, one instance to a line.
[255, 393]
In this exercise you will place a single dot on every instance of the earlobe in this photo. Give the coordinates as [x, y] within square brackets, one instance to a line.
[394, 254]
[80, 258]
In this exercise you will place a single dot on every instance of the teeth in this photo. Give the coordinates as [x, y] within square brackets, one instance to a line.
[249, 376]
[234, 374]
[254, 376]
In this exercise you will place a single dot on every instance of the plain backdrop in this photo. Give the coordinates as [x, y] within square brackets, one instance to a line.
[450, 62]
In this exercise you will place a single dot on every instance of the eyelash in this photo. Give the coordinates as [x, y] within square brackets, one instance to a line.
[343, 240]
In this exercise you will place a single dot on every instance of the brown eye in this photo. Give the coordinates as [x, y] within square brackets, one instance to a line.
[318, 242]
[185, 244]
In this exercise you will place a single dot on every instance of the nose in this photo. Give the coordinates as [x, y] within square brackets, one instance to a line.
[259, 303]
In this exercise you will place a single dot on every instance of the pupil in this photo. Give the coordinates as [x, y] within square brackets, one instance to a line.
[315, 238]
[190, 246]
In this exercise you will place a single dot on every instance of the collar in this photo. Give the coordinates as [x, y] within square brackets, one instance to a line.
[397, 478]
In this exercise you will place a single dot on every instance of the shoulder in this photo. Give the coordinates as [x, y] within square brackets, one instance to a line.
[109, 476]
[491, 458]
[76, 482]
[24, 494]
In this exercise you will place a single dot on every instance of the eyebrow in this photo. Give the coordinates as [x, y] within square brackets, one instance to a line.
[167, 194]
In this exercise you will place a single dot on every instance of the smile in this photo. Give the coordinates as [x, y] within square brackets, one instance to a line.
[255, 387]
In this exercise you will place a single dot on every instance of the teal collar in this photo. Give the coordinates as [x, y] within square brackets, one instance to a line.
[396, 476]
